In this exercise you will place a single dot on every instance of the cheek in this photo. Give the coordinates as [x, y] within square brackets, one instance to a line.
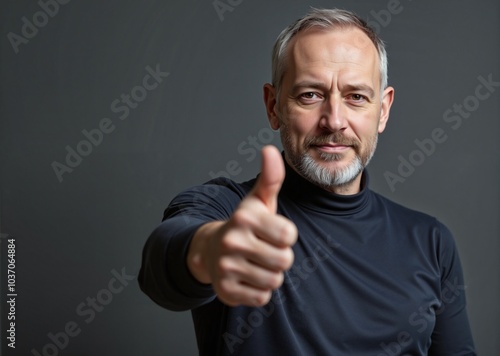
[297, 132]
[365, 127]
[300, 124]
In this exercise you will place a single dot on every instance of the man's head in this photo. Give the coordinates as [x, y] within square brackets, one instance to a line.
[329, 97]
[327, 19]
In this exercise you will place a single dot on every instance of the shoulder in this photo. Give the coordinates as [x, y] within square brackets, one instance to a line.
[219, 196]
[219, 188]
[426, 232]
[401, 212]
[412, 219]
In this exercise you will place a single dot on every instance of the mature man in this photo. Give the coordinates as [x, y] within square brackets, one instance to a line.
[305, 259]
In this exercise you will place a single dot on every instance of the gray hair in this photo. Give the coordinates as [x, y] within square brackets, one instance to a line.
[324, 19]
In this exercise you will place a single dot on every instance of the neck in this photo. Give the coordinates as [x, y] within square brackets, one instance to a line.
[350, 188]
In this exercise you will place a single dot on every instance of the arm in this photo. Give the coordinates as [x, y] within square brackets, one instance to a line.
[164, 276]
[188, 260]
[452, 334]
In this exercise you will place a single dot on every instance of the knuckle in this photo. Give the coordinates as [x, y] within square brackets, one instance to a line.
[227, 243]
[276, 280]
[289, 258]
[242, 217]
[285, 259]
[280, 261]
[288, 233]
[232, 242]
[225, 289]
[224, 266]
[294, 233]
[262, 298]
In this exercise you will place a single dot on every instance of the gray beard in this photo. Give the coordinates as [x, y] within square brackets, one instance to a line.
[327, 178]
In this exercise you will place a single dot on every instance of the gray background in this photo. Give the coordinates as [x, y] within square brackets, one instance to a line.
[72, 234]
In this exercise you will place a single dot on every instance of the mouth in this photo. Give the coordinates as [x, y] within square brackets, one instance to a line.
[331, 147]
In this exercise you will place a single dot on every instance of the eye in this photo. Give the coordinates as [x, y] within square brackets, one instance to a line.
[309, 97]
[357, 97]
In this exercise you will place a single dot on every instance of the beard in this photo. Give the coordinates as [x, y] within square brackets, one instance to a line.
[314, 171]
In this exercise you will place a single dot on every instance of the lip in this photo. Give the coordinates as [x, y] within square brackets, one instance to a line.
[332, 148]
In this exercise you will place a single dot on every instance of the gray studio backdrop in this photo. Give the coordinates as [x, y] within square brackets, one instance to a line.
[109, 108]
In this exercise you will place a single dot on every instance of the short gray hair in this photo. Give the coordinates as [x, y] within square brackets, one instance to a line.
[324, 19]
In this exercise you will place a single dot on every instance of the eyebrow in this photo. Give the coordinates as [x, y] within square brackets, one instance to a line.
[349, 87]
[360, 87]
[308, 84]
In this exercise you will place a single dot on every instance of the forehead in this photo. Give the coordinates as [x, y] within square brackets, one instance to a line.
[335, 50]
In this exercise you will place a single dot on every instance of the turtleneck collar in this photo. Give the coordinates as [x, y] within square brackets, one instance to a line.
[312, 196]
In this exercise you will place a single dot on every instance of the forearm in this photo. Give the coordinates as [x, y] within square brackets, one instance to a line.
[164, 274]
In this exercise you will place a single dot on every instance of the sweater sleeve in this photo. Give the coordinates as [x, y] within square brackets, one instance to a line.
[164, 274]
[452, 334]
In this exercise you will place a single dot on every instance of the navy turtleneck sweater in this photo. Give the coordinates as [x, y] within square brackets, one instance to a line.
[370, 277]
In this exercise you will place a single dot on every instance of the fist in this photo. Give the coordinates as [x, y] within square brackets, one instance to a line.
[245, 257]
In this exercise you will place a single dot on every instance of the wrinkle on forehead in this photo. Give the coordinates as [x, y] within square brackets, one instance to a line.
[337, 51]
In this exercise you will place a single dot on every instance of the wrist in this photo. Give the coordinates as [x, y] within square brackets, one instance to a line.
[198, 253]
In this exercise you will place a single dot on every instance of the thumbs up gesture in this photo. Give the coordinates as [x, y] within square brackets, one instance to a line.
[244, 258]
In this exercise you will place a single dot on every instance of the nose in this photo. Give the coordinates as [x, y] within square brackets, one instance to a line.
[333, 115]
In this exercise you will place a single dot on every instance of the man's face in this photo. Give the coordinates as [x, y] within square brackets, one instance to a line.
[330, 109]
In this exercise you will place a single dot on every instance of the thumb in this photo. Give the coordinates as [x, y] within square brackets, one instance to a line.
[271, 178]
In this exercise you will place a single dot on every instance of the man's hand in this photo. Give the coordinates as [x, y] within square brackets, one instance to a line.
[244, 257]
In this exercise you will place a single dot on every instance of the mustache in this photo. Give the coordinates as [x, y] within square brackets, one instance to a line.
[337, 138]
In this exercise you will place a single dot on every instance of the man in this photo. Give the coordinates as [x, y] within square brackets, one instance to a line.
[305, 259]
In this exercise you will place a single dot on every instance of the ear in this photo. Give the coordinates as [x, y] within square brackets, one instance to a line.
[387, 99]
[270, 102]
